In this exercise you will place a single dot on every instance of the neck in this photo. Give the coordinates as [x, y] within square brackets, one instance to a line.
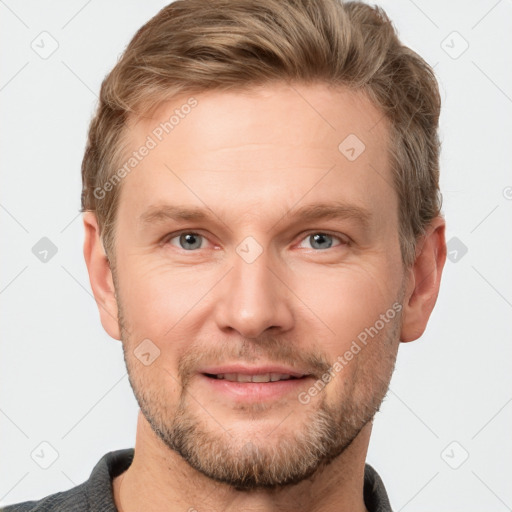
[159, 479]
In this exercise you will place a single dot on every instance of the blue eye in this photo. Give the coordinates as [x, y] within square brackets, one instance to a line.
[321, 241]
[188, 241]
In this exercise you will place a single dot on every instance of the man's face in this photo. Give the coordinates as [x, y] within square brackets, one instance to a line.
[248, 243]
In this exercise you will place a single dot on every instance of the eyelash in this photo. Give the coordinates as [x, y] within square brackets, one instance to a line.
[344, 240]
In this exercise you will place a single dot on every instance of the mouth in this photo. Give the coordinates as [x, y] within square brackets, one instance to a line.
[241, 383]
[260, 377]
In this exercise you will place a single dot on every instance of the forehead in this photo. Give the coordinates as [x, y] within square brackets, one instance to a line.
[272, 113]
[266, 141]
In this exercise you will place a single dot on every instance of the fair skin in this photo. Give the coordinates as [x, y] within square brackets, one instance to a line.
[251, 162]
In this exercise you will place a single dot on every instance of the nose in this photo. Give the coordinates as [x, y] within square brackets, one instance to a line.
[253, 298]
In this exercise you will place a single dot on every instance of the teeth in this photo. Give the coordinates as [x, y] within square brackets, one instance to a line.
[262, 377]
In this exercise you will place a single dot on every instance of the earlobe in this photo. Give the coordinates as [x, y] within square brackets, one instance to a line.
[423, 281]
[100, 276]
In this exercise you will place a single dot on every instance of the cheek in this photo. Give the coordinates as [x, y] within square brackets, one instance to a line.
[348, 300]
[156, 386]
[158, 296]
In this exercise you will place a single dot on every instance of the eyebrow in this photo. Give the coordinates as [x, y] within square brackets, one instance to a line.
[161, 213]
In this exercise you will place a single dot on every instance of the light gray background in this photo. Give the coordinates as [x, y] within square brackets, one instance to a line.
[63, 380]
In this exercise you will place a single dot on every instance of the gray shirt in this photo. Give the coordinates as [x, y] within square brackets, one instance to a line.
[95, 494]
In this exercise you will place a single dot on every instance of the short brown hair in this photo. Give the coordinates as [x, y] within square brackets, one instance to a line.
[199, 45]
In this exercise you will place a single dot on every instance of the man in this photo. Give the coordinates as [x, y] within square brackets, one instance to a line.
[262, 229]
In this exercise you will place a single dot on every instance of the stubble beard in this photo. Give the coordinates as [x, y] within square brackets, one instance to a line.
[289, 454]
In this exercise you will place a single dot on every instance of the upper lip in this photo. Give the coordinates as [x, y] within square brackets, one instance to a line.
[252, 370]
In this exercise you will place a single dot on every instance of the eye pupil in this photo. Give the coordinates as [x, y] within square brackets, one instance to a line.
[321, 241]
[190, 241]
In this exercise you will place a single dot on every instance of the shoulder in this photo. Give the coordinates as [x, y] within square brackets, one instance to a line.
[91, 495]
[71, 500]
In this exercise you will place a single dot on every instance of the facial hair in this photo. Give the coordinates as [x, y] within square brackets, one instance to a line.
[285, 456]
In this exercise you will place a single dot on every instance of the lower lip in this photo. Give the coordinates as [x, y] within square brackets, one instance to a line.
[256, 391]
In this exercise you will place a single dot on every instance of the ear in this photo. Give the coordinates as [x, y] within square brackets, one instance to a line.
[100, 276]
[424, 278]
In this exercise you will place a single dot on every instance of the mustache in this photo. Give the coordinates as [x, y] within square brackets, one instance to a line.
[269, 349]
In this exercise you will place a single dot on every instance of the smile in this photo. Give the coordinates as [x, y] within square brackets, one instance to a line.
[242, 377]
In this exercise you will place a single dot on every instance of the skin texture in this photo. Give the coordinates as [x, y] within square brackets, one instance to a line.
[251, 161]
